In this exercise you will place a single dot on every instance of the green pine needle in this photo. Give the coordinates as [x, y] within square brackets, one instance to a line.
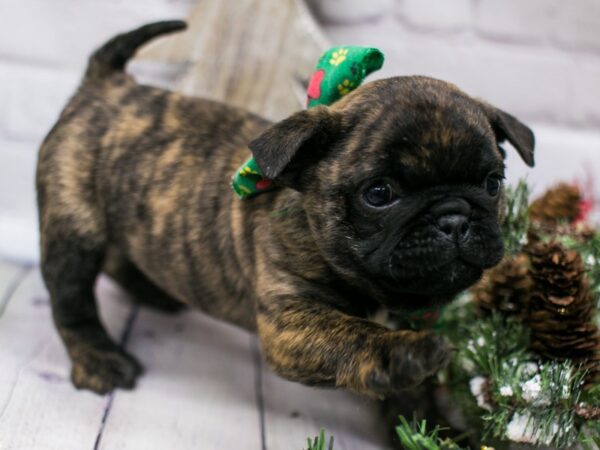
[516, 222]
[416, 437]
[319, 442]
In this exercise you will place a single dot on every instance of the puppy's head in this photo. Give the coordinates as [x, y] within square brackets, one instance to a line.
[402, 181]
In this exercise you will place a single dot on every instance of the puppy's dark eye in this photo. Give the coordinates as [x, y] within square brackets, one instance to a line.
[379, 194]
[493, 183]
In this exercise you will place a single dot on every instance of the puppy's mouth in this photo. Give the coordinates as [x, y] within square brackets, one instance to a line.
[439, 269]
[448, 278]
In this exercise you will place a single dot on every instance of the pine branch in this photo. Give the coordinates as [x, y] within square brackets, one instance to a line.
[525, 400]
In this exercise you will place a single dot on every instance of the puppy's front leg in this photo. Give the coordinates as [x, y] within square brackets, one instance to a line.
[306, 339]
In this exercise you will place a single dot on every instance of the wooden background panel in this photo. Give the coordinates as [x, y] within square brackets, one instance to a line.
[198, 390]
[249, 53]
[39, 408]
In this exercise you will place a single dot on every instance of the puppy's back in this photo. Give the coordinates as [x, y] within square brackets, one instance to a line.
[145, 170]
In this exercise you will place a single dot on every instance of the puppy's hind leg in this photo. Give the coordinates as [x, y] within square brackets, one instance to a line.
[71, 261]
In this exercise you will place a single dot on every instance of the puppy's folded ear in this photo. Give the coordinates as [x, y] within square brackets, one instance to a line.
[286, 149]
[507, 127]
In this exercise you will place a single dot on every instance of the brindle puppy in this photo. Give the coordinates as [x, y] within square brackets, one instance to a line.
[389, 198]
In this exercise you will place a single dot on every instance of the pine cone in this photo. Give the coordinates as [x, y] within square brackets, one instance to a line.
[506, 288]
[562, 308]
[558, 204]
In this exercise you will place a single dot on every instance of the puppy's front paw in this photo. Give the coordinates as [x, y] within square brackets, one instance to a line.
[411, 364]
[408, 361]
[102, 370]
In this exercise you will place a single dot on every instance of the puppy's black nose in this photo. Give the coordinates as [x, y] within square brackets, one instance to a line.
[454, 226]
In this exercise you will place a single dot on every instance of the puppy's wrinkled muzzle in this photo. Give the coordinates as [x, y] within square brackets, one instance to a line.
[446, 254]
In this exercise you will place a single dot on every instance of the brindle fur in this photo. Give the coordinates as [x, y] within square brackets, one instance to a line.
[134, 180]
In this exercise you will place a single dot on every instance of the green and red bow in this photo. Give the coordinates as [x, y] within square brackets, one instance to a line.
[339, 71]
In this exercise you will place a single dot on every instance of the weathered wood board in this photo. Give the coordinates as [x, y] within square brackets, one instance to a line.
[249, 53]
[198, 390]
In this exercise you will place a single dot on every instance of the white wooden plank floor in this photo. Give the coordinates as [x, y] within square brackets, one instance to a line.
[205, 385]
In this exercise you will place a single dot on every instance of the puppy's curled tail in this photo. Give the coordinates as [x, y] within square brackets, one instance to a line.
[113, 55]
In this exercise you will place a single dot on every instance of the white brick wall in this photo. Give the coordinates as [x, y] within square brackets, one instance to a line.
[516, 21]
[435, 16]
[538, 59]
